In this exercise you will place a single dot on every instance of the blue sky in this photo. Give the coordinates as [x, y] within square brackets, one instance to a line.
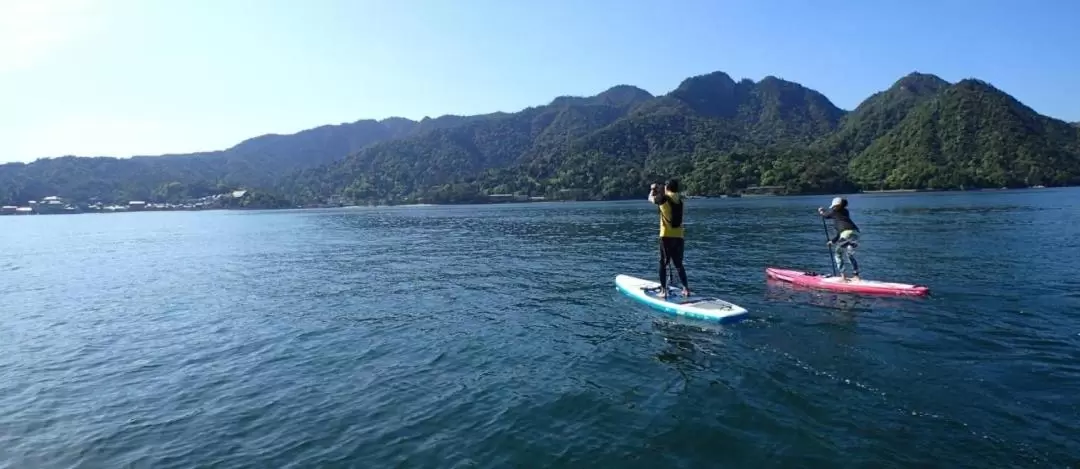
[147, 77]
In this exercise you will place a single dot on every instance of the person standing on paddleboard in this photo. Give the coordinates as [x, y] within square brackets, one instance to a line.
[671, 232]
[847, 236]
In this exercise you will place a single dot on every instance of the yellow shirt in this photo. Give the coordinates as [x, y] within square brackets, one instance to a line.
[667, 210]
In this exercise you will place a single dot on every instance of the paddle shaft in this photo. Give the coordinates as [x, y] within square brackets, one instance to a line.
[828, 246]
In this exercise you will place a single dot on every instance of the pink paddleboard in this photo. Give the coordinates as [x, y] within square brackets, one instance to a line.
[828, 282]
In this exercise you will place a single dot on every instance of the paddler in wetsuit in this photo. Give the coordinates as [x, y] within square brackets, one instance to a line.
[847, 236]
[671, 232]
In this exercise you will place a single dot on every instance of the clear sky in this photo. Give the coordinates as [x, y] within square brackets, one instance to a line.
[146, 77]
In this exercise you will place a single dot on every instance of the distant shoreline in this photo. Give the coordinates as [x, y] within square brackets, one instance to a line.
[524, 202]
[750, 196]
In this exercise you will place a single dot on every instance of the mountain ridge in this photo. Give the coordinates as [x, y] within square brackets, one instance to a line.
[719, 134]
[745, 133]
[396, 119]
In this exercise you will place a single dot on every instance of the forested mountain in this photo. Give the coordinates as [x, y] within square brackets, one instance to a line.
[882, 111]
[717, 134]
[446, 154]
[262, 160]
[722, 136]
[605, 146]
[257, 162]
[971, 135]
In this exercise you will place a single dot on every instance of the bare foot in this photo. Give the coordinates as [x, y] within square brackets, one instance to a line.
[685, 292]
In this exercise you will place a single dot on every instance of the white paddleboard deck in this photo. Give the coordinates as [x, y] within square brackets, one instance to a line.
[700, 307]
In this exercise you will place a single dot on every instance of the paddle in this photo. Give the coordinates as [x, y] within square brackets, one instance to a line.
[827, 246]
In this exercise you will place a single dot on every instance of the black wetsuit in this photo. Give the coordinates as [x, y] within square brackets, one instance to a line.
[671, 236]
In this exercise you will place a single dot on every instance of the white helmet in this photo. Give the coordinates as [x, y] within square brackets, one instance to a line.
[836, 201]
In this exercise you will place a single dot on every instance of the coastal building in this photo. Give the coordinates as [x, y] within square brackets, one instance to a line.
[572, 194]
[762, 191]
[58, 205]
[51, 204]
[507, 197]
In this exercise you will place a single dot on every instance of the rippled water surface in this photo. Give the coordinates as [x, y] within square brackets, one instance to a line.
[492, 336]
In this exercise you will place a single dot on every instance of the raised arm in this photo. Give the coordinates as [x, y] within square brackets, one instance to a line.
[656, 195]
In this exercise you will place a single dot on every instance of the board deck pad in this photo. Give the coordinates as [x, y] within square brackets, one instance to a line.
[696, 306]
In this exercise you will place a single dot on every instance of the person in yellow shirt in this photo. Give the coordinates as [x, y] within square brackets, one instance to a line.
[670, 204]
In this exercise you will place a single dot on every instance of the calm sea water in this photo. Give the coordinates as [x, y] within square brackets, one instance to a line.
[492, 336]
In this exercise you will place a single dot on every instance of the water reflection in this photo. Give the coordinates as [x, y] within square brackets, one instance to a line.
[776, 290]
[689, 346]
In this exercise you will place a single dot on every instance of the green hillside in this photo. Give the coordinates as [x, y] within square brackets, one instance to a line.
[717, 134]
[257, 162]
[971, 135]
[721, 136]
